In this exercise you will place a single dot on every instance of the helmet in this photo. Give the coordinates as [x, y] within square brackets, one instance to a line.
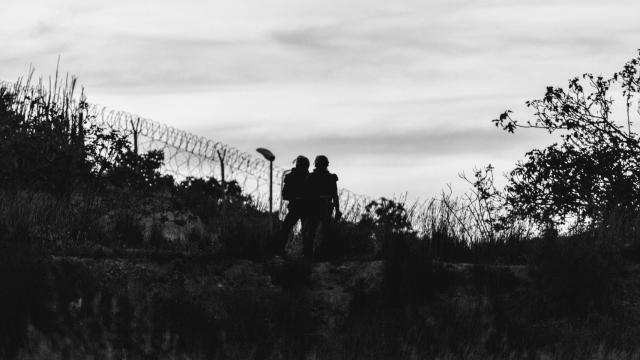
[321, 162]
[302, 162]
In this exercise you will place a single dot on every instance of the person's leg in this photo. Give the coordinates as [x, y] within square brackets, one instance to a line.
[309, 227]
[328, 241]
[289, 222]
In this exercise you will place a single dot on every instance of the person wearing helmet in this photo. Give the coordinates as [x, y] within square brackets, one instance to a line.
[323, 198]
[294, 192]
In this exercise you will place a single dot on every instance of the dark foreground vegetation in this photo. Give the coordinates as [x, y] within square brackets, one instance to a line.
[103, 255]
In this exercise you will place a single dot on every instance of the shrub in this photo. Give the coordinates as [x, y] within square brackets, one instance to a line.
[134, 171]
[245, 236]
[357, 240]
[574, 275]
[127, 230]
[594, 168]
[49, 143]
[210, 199]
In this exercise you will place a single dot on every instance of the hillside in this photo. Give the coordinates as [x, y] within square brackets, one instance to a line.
[276, 309]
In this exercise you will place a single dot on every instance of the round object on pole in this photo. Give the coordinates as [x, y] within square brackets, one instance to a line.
[266, 153]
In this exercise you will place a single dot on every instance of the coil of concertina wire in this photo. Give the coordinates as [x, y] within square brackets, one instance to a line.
[187, 155]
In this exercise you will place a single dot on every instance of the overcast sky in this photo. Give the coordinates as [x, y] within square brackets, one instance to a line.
[398, 94]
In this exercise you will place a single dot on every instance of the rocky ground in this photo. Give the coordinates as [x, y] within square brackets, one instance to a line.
[112, 307]
[275, 309]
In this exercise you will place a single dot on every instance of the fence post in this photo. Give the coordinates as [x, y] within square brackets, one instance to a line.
[221, 156]
[135, 126]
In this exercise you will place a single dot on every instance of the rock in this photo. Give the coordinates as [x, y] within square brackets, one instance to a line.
[173, 226]
[158, 226]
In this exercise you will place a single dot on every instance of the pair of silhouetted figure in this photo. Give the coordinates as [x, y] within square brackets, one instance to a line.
[312, 199]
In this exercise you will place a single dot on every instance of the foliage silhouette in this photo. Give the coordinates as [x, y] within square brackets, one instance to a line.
[593, 170]
[574, 276]
[48, 143]
[209, 198]
[388, 216]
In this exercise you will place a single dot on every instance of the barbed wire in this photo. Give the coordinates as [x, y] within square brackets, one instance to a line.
[190, 155]
[187, 154]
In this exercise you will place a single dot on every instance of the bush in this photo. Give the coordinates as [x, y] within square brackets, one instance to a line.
[23, 299]
[49, 144]
[127, 230]
[246, 235]
[134, 171]
[574, 275]
[212, 200]
[593, 170]
[357, 240]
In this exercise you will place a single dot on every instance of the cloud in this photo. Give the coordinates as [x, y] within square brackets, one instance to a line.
[392, 148]
[169, 48]
[368, 81]
[416, 143]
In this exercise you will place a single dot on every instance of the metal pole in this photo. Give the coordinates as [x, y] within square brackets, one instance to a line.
[135, 126]
[221, 156]
[271, 196]
[270, 157]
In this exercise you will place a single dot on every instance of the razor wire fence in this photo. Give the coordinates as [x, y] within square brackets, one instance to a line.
[187, 154]
[190, 155]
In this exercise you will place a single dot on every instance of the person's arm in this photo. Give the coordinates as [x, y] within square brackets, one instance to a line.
[336, 200]
[284, 190]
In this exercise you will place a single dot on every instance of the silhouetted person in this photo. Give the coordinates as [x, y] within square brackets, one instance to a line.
[323, 198]
[294, 191]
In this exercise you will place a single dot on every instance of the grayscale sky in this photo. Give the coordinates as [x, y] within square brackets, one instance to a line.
[399, 94]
